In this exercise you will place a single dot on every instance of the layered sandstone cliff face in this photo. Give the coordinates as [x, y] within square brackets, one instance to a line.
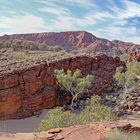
[24, 92]
[75, 40]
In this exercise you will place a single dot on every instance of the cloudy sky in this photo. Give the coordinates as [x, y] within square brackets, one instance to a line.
[111, 19]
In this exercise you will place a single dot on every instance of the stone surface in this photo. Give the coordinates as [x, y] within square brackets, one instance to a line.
[133, 104]
[46, 136]
[25, 92]
[55, 130]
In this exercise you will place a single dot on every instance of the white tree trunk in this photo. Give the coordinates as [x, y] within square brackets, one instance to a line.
[73, 99]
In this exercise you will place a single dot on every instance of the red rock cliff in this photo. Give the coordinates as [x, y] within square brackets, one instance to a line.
[23, 92]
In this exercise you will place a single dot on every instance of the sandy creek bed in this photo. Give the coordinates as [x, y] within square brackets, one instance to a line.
[22, 125]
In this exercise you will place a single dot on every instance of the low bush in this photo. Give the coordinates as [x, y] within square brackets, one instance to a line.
[58, 118]
[119, 135]
[124, 57]
[93, 111]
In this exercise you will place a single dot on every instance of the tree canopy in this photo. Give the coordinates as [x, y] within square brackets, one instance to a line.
[74, 83]
[131, 77]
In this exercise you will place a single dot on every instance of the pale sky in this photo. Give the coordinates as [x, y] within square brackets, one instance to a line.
[111, 19]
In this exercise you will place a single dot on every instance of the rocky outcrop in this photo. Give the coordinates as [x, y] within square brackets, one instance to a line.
[96, 131]
[125, 47]
[77, 39]
[25, 92]
[134, 56]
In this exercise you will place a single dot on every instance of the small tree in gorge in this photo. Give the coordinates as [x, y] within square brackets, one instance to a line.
[73, 83]
[129, 80]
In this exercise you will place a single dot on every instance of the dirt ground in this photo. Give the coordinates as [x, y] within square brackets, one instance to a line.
[22, 125]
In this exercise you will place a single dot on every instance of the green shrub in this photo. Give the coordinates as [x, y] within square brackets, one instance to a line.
[129, 80]
[119, 135]
[124, 57]
[33, 47]
[94, 111]
[30, 45]
[58, 118]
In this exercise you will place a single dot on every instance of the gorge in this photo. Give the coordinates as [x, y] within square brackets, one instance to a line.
[25, 92]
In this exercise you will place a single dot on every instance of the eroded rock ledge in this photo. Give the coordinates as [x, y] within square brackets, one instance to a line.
[24, 92]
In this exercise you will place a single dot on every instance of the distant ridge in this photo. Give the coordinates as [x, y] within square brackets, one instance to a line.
[77, 40]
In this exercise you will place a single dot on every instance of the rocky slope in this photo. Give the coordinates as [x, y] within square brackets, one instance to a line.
[77, 39]
[24, 92]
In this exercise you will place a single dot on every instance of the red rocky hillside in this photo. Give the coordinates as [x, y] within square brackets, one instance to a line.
[77, 39]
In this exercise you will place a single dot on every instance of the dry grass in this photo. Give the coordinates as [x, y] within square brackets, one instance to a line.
[10, 59]
[119, 135]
